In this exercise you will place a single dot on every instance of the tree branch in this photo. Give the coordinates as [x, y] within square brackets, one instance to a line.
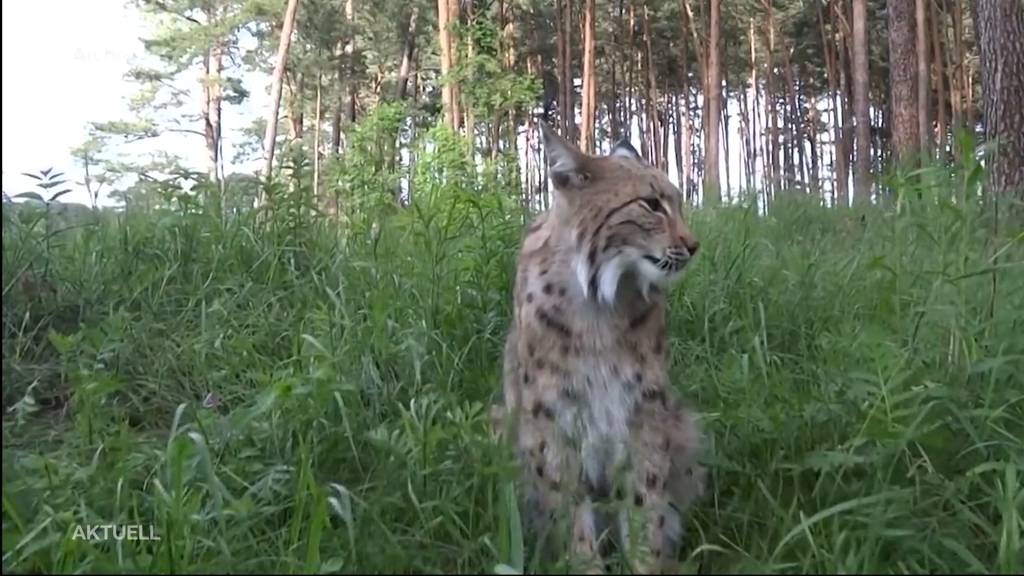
[159, 4]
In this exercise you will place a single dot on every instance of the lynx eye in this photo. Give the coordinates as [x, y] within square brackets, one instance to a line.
[653, 204]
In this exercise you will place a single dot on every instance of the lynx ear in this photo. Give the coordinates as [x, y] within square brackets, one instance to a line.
[566, 163]
[623, 149]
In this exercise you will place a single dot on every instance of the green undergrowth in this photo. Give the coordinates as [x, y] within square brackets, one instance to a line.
[301, 394]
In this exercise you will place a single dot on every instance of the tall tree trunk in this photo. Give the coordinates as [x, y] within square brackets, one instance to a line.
[630, 75]
[725, 139]
[694, 168]
[316, 144]
[589, 79]
[801, 129]
[350, 58]
[447, 15]
[828, 46]
[773, 106]
[791, 125]
[408, 51]
[468, 116]
[712, 195]
[924, 120]
[937, 24]
[843, 120]
[566, 106]
[652, 94]
[677, 122]
[902, 81]
[213, 66]
[683, 124]
[270, 138]
[336, 113]
[508, 47]
[953, 66]
[344, 53]
[614, 93]
[861, 109]
[1000, 32]
[746, 175]
[688, 150]
[754, 104]
[665, 121]
[812, 140]
[211, 107]
[963, 73]
[294, 103]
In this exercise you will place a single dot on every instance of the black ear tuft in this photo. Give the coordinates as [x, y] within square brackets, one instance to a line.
[624, 149]
[566, 163]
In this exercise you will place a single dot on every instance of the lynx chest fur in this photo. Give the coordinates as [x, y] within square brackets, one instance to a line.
[587, 395]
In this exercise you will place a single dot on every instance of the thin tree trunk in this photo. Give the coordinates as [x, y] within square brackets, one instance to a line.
[959, 55]
[746, 179]
[924, 121]
[446, 17]
[830, 72]
[350, 59]
[688, 149]
[211, 107]
[792, 125]
[316, 143]
[862, 158]
[339, 66]
[294, 105]
[937, 22]
[712, 195]
[953, 78]
[270, 138]
[508, 35]
[694, 170]
[682, 117]
[566, 106]
[773, 106]
[800, 119]
[843, 131]
[953, 70]
[754, 104]
[615, 94]
[630, 75]
[589, 79]
[677, 122]
[408, 51]
[725, 138]
[664, 119]
[344, 52]
[652, 94]
[468, 115]
[812, 139]
[966, 76]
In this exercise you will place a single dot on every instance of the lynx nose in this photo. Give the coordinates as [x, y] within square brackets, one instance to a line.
[690, 243]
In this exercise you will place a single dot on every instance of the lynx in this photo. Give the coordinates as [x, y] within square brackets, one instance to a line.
[602, 439]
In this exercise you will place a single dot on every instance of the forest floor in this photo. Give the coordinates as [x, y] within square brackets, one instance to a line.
[289, 397]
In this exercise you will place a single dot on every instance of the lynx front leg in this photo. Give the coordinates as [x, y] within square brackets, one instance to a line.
[649, 523]
[664, 477]
[552, 471]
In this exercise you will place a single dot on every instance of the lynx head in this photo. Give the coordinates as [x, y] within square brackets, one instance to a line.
[625, 218]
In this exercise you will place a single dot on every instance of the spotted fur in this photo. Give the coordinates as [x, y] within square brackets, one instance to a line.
[587, 400]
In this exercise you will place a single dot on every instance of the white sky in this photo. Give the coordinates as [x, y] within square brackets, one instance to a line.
[63, 67]
[63, 62]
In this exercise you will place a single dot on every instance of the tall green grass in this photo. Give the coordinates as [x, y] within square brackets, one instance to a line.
[303, 396]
